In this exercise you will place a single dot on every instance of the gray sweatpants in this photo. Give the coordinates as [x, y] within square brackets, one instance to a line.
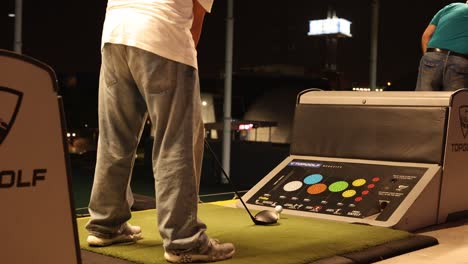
[133, 84]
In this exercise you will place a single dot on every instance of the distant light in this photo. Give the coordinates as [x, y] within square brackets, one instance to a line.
[389, 83]
[11, 15]
[68, 134]
[245, 126]
[329, 26]
[73, 134]
[204, 103]
[366, 89]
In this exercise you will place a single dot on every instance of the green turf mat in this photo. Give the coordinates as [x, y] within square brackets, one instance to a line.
[293, 240]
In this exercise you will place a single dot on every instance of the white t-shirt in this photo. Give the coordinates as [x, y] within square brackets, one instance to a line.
[158, 26]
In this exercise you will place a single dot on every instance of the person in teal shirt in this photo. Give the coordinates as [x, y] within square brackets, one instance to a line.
[444, 65]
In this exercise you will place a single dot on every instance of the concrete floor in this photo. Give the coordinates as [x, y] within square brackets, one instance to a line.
[452, 247]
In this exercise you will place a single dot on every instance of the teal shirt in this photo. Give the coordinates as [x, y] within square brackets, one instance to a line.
[451, 28]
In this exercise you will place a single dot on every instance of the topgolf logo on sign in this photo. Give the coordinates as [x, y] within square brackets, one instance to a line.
[463, 112]
[10, 104]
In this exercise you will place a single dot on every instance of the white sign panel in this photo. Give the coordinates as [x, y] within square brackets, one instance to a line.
[329, 26]
[37, 214]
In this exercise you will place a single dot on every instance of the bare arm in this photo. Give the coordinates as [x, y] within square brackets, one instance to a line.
[198, 16]
[427, 35]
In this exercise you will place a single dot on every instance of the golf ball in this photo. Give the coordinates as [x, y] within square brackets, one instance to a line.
[278, 208]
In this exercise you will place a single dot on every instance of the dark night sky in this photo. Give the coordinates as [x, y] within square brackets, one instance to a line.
[66, 35]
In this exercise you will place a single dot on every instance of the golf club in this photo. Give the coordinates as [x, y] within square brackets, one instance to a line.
[265, 217]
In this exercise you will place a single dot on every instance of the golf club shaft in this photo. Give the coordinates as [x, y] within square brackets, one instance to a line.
[229, 179]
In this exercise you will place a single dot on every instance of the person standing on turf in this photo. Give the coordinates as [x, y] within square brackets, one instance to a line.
[149, 67]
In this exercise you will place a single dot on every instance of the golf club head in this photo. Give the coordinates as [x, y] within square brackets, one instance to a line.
[266, 217]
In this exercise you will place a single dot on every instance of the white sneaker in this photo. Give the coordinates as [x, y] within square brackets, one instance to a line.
[126, 234]
[212, 252]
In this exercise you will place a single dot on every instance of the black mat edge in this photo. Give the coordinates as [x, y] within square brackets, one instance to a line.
[383, 251]
[370, 255]
[89, 257]
[333, 260]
